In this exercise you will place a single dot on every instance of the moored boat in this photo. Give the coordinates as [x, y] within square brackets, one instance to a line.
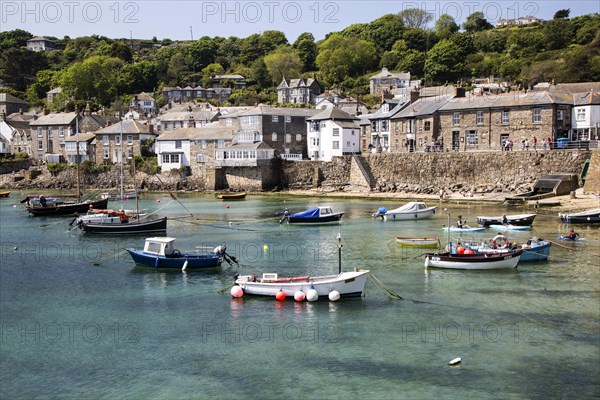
[129, 227]
[411, 210]
[464, 229]
[535, 249]
[473, 261]
[4, 194]
[346, 284]
[159, 252]
[509, 227]
[515, 219]
[316, 215]
[418, 242]
[60, 207]
[118, 196]
[583, 217]
[231, 196]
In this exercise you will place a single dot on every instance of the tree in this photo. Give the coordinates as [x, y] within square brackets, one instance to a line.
[210, 71]
[284, 62]
[176, 68]
[18, 66]
[45, 80]
[93, 78]
[341, 56]
[14, 38]
[412, 61]
[444, 61]
[415, 18]
[445, 26]
[141, 76]
[200, 53]
[476, 22]
[306, 48]
[564, 13]
[121, 50]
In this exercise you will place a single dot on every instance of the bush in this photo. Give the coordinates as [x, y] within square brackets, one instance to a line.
[55, 169]
[21, 156]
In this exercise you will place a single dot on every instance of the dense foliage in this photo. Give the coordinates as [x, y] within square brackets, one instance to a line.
[106, 72]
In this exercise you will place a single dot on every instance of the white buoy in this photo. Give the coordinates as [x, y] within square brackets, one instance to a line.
[334, 295]
[236, 291]
[312, 295]
[456, 361]
[185, 264]
[299, 295]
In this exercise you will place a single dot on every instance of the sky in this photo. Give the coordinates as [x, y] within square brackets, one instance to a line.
[184, 20]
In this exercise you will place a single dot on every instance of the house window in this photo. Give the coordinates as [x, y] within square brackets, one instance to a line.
[472, 138]
[203, 144]
[427, 125]
[581, 114]
[129, 139]
[130, 153]
[61, 131]
[105, 140]
[178, 144]
[336, 144]
[199, 158]
[456, 118]
[385, 125]
[275, 118]
[40, 145]
[537, 115]
[174, 158]
[39, 131]
[505, 117]
[374, 126]
[220, 143]
[165, 158]
[288, 138]
[298, 137]
[336, 131]
[228, 122]
[288, 118]
[117, 140]
[348, 144]
[274, 137]
[560, 115]
[105, 153]
[479, 118]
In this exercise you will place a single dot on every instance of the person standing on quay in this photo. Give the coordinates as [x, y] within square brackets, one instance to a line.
[534, 142]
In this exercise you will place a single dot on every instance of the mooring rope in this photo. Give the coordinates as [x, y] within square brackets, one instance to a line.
[387, 291]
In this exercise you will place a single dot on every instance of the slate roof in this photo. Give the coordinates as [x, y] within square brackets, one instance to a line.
[9, 98]
[129, 126]
[266, 110]
[296, 83]
[387, 74]
[588, 98]
[203, 115]
[424, 106]
[55, 119]
[214, 132]
[83, 137]
[332, 113]
[568, 87]
[513, 99]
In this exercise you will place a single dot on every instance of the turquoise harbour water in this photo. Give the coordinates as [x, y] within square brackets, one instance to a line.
[72, 329]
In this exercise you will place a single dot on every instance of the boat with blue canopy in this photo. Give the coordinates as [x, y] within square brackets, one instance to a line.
[316, 215]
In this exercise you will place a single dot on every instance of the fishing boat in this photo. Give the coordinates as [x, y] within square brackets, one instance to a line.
[411, 210]
[464, 229]
[346, 284]
[135, 226]
[509, 227]
[418, 242]
[231, 196]
[515, 219]
[535, 249]
[160, 252]
[316, 215]
[60, 207]
[105, 216]
[473, 261]
[118, 196]
[583, 217]
[4, 195]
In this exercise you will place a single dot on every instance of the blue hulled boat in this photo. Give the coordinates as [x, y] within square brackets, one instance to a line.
[317, 215]
[159, 252]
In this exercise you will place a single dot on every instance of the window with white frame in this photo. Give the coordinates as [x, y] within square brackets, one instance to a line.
[130, 139]
[274, 137]
[472, 138]
[580, 114]
[298, 137]
[336, 144]
[174, 158]
[288, 138]
[560, 115]
[456, 118]
[348, 143]
[427, 125]
[178, 144]
[105, 153]
[479, 118]
[40, 145]
[336, 131]
[203, 144]
[165, 158]
[130, 152]
[288, 118]
[274, 118]
[505, 117]
[537, 115]
[220, 143]
[39, 131]
[105, 140]
[117, 140]
[61, 131]
[385, 125]
[228, 122]
[200, 158]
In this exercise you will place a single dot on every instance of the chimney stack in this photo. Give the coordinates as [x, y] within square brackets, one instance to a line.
[459, 91]
[414, 95]
[191, 122]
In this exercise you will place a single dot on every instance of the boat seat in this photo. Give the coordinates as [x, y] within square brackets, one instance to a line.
[288, 280]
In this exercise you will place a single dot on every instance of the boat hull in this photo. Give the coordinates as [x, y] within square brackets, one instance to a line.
[473, 261]
[399, 216]
[418, 242]
[4, 195]
[517, 219]
[505, 228]
[67, 208]
[586, 217]
[457, 229]
[316, 220]
[231, 196]
[159, 225]
[537, 252]
[348, 284]
[194, 261]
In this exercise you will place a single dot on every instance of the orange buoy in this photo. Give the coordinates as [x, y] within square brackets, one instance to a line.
[280, 295]
[460, 250]
[469, 251]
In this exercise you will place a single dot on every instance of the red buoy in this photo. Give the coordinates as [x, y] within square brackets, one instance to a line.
[469, 251]
[280, 295]
[460, 250]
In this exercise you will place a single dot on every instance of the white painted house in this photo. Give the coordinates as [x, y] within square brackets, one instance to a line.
[585, 121]
[332, 133]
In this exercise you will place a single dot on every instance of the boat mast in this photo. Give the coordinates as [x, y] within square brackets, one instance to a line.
[77, 154]
[137, 198]
[122, 192]
[339, 238]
